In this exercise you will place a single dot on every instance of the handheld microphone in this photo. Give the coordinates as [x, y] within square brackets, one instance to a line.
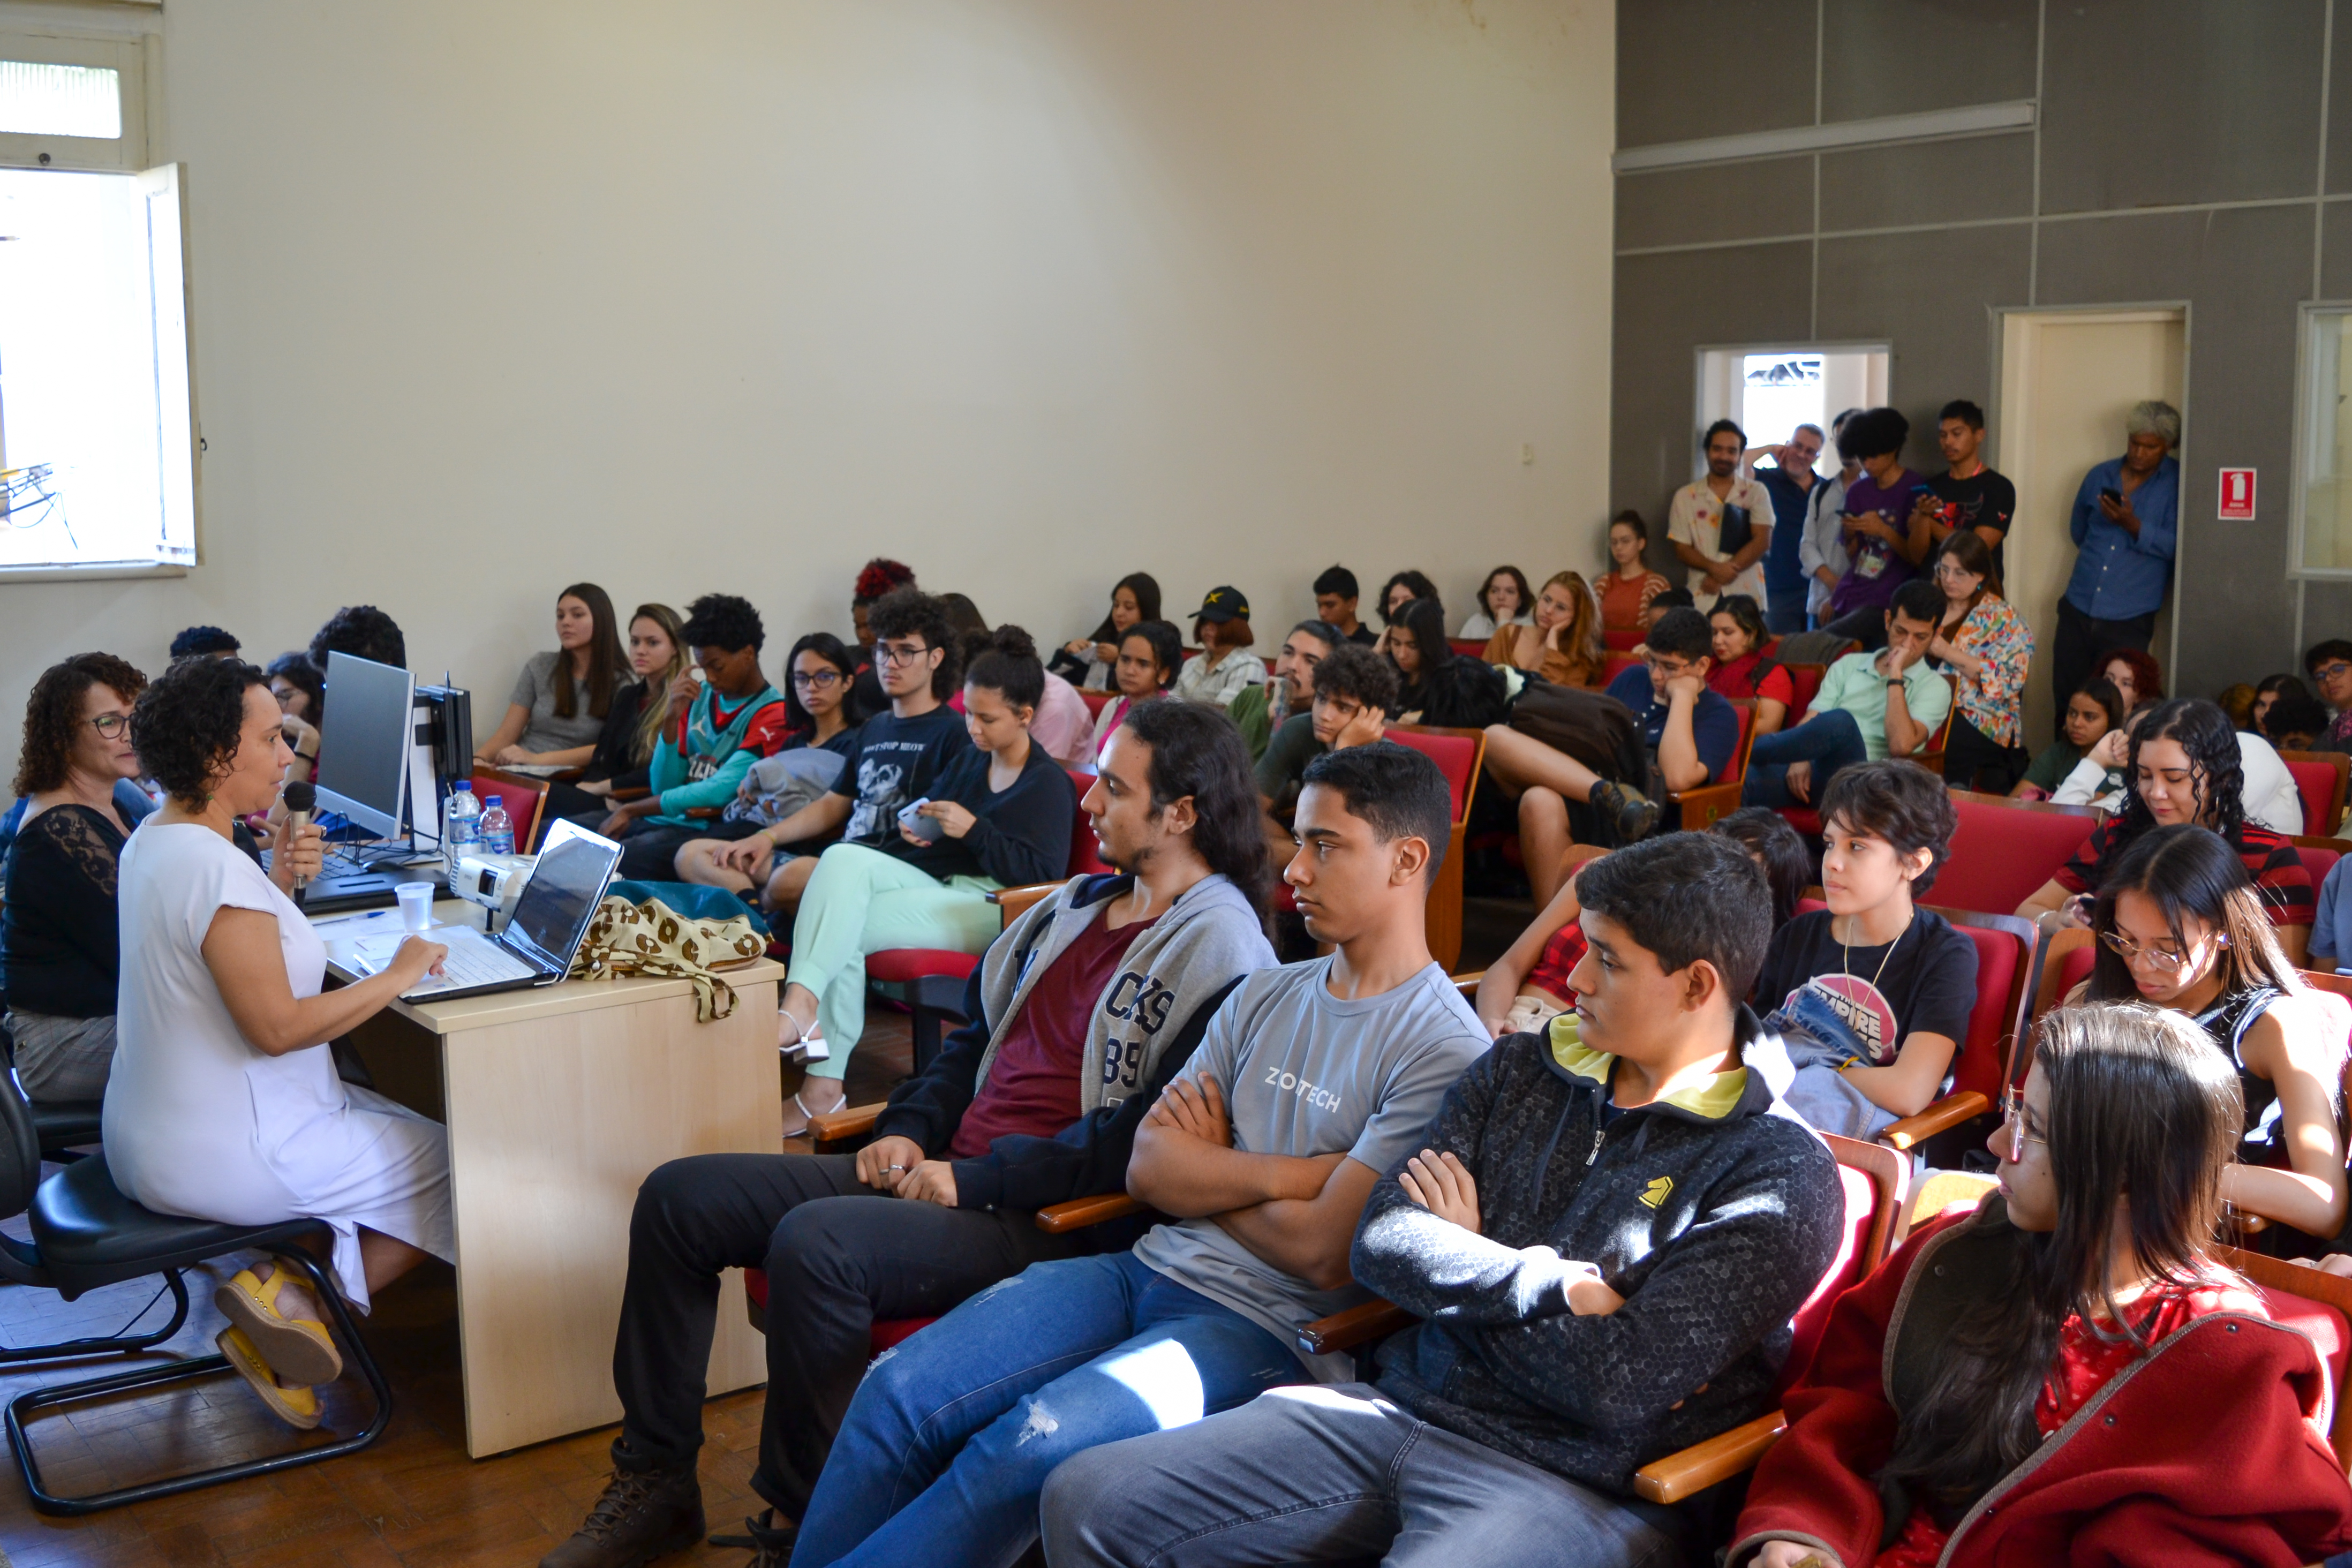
[302, 798]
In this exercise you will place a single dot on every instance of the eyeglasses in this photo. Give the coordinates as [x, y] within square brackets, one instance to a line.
[823, 680]
[2013, 1117]
[110, 725]
[1666, 671]
[889, 654]
[1952, 569]
[2132, 953]
[2335, 669]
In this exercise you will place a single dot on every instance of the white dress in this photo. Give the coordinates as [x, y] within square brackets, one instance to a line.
[199, 1123]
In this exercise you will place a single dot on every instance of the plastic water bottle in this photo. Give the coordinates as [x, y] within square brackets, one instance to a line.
[461, 829]
[497, 830]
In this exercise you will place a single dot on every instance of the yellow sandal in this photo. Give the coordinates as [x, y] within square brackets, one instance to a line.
[299, 1347]
[295, 1406]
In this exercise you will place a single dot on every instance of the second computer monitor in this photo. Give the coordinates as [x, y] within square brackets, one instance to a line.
[364, 743]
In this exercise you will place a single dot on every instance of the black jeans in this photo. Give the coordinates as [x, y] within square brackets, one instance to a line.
[2083, 643]
[1974, 760]
[838, 1256]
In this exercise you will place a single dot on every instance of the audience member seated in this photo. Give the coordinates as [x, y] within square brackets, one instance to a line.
[1605, 1233]
[1504, 601]
[1870, 997]
[2266, 693]
[733, 717]
[1090, 662]
[895, 759]
[642, 709]
[363, 631]
[2269, 790]
[1150, 654]
[1983, 646]
[1527, 986]
[1740, 670]
[204, 642]
[2331, 925]
[1311, 1081]
[877, 578]
[1034, 1101]
[1263, 709]
[61, 958]
[2179, 927]
[1883, 529]
[223, 1102]
[2067, 1373]
[1436, 686]
[820, 732]
[2237, 700]
[2136, 674]
[2184, 766]
[1629, 584]
[556, 713]
[1334, 603]
[1400, 591]
[998, 816]
[2091, 714]
[1721, 526]
[1870, 705]
[1064, 725]
[2098, 781]
[1225, 664]
[301, 688]
[1682, 735]
[2329, 665]
[2295, 721]
[1562, 644]
[1354, 690]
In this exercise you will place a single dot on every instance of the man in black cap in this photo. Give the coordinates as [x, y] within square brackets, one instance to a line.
[1224, 665]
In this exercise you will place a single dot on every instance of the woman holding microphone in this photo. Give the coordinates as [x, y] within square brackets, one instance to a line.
[223, 1102]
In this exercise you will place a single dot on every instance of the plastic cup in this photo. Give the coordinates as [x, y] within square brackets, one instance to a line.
[415, 905]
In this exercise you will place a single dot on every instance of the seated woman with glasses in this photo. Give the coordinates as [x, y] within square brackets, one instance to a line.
[2068, 1372]
[821, 724]
[1984, 646]
[2181, 928]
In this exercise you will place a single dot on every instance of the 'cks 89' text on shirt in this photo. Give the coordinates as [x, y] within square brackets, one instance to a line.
[1303, 1073]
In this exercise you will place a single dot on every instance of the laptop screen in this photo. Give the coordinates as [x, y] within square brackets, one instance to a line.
[565, 888]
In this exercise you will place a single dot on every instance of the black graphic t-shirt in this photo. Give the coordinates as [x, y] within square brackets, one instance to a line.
[1985, 500]
[1927, 984]
[893, 761]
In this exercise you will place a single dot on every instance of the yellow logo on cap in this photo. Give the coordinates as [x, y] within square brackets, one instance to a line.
[1655, 1193]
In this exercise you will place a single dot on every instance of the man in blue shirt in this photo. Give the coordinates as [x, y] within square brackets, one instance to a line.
[2125, 525]
[1790, 485]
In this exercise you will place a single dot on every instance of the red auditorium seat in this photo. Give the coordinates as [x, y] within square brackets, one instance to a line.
[1458, 753]
[1622, 642]
[884, 1332]
[1469, 648]
[2006, 849]
[2319, 778]
[2318, 856]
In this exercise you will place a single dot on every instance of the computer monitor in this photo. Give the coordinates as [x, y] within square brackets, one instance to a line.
[365, 744]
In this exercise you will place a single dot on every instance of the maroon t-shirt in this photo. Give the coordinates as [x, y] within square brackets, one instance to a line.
[1033, 1086]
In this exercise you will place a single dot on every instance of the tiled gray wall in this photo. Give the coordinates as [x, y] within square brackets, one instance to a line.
[2179, 156]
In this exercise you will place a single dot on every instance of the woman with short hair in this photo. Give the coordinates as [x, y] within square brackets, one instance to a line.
[1504, 600]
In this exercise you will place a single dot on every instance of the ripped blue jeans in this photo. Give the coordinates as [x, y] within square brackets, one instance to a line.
[952, 1436]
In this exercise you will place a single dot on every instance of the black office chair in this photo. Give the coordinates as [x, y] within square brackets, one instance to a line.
[87, 1235]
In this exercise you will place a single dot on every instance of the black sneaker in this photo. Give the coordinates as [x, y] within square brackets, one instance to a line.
[1626, 813]
[643, 1515]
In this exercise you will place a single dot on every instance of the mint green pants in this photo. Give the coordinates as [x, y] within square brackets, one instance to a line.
[860, 901]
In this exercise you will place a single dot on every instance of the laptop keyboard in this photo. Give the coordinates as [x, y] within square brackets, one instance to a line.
[472, 961]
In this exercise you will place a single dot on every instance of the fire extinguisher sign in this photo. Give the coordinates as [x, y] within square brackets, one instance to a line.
[2237, 495]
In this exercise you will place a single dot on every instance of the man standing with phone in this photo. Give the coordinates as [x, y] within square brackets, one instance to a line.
[2125, 525]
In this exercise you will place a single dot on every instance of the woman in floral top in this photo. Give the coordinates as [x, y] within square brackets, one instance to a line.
[1985, 645]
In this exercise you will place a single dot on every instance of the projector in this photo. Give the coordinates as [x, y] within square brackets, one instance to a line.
[492, 881]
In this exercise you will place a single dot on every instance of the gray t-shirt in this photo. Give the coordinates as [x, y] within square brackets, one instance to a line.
[534, 692]
[1304, 1073]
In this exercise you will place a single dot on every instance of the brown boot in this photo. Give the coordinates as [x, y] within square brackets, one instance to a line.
[643, 1515]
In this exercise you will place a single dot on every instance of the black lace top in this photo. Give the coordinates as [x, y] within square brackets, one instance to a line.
[61, 953]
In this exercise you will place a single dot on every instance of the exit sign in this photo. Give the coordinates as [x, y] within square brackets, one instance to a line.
[2237, 495]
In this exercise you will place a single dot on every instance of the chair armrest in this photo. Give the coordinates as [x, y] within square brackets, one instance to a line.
[1931, 759]
[701, 813]
[1701, 1465]
[840, 1126]
[1357, 1325]
[1948, 1111]
[1056, 1219]
[1704, 807]
[632, 792]
[1468, 983]
[1018, 901]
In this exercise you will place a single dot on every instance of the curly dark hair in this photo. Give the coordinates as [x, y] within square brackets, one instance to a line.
[199, 640]
[361, 631]
[53, 715]
[1356, 672]
[1414, 583]
[911, 613]
[1197, 750]
[189, 723]
[1900, 802]
[723, 621]
[2216, 766]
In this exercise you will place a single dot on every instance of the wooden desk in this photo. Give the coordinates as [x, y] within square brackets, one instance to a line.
[559, 1102]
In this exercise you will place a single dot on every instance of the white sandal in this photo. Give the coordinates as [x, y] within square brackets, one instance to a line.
[808, 1116]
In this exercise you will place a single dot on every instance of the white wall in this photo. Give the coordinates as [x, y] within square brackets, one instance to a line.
[732, 294]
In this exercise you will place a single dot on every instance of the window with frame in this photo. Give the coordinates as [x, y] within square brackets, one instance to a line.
[2323, 490]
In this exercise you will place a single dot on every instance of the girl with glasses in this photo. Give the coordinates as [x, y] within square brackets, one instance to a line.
[2179, 927]
[1984, 646]
[2068, 1367]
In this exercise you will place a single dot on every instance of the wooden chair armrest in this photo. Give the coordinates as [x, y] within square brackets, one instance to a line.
[631, 792]
[1701, 1465]
[1018, 901]
[701, 813]
[1704, 807]
[1931, 759]
[1056, 1219]
[1468, 983]
[840, 1126]
[1356, 1326]
[1948, 1111]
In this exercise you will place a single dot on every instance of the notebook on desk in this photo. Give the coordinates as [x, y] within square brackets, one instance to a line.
[560, 898]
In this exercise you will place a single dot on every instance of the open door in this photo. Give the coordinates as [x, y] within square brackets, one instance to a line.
[2067, 379]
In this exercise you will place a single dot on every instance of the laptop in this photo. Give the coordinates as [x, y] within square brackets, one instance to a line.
[559, 899]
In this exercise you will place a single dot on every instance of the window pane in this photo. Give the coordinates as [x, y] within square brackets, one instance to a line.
[1780, 392]
[2327, 443]
[42, 99]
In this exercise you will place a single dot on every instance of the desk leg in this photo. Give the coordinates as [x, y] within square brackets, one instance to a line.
[552, 1124]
